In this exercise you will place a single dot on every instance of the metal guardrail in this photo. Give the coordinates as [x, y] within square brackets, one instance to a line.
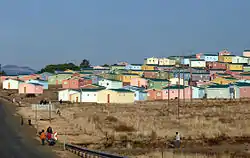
[83, 152]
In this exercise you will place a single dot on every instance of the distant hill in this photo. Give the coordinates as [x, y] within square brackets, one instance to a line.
[17, 70]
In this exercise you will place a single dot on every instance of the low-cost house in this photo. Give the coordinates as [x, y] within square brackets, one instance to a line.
[117, 67]
[244, 89]
[41, 82]
[90, 95]
[139, 82]
[226, 58]
[126, 77]
[64, 95]
[149, 67]
[2, 78]
[201, 76]
[175, 91]
[216, 65]
[240, 60]
[11, 83]
[45, 76]
[151, 73]
[222, 91]
[133, 67]
[166, 61]
[76, 82]
[110, 84]
[196, 63]
[209, 57]
[30, 88]
[151, 61]
[154, 94]
[58, 78]
[237, 67]
[224, 80]
[157, 83]
[198, 92]
[140, 93]
[115, 96]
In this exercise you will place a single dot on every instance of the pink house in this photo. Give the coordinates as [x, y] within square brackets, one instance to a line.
[245, 76]
[75, 83]
[139, 82]
[244, 90]
[154, 94]
[2, 78]
[30, 88]
[173, 89]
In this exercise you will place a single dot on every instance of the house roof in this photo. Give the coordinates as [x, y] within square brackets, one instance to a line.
[210, 54]
[245, 74]
[157, 80]
[86, 72]
[129, 74]
[121, 90]
[242, 84]
[175, 87]
[90, 89]
[151, 64]
[14, 79]
[136, 64]
[112, 80]
[36, 84]
[218, 86]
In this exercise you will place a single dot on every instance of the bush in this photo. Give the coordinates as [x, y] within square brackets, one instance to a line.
[111, 119]
[124, 128]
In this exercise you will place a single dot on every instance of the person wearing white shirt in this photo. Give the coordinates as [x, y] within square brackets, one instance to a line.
[177, 140]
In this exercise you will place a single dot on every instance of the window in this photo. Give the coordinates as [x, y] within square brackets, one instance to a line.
[158, 94]
[107, 84]
[135, 95]
[172, 91]
[73, 82]
[94, 94]
[87, 94]
[65, 82]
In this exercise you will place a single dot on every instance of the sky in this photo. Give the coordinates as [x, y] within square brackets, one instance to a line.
[39, 32]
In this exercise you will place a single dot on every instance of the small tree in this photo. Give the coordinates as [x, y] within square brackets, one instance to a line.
[85, 63]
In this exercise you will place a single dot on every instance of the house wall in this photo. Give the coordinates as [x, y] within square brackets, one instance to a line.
[150, 74]
[133, 67]
[127, 78]
[246, 53]
[139, 82]
[13, 84]
[227, 59]
[156, 84]
[89, 97]
[198, 93]
[174, 93]
[115, 97]
[166, 61]
[64, 94]
[7, 77]
[154, 94]
[110, 84]
[211, 58]
[216, 65]
[218, 93]
[198, 63]
[152, 60]
[58, 78]
[141, 96]
[244, 92]
[246, 68]
[235, 67]
[239, 59]
[44, 83]
[30, 89]
[148, 67]
[200, 77]
[245, 77]
[75, 98]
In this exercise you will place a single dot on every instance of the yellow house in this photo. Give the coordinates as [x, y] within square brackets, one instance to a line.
[126, 77]
[226, 58]
[148, 67]
[235, 66]
[137, 72]
[224, 80]
[75, 98]
[152, 60]
[68, 70]
[118, 96]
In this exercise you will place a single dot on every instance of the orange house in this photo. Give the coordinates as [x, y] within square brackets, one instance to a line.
[154, 94]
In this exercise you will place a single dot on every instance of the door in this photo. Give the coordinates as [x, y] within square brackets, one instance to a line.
[77, 99]
[139, 84]
[9, 85]
[24, 89]
[56, 82]
[108, 98]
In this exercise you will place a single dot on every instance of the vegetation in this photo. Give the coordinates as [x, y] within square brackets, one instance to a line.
[2, 73]
[62, 67]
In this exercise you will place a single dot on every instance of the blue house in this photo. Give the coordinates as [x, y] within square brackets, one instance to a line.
[209, 57]
[140, 93]
[41, 82]
[45, 75]
[198, 92]
[95, 78]
[133, 67]
[185, 74]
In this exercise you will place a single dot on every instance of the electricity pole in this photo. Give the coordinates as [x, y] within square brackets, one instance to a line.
[168, 88]
[49, 112]
[178, 94]
[36, 119]
[183, 76]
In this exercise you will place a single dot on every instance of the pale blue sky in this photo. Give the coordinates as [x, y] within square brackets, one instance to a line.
[39, 32]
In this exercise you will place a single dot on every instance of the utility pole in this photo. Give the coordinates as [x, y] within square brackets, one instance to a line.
[49, 112]
[183, 76]
[178, 106]
[168, 88]
[191, 89]
[36, 119]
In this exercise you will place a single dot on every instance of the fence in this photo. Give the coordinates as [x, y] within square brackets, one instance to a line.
[89, 153]
[43, 107]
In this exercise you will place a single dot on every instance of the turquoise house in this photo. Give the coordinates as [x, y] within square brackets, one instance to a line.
[45, 75]
[140, 93]
[198, 92]
[41, 82]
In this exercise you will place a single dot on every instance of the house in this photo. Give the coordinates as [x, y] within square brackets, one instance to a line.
[226, 58]
[90, 95]
[126, 77]
[117, 67]
[2, 78]
[196, 63]
[149, 67]
[92, 86]
[182, 74]
[164, 67]
[245, 76]
[30, 88]
[214, 72]
[164, 75]
[64, 95]
[246, 68]
[95, 78]
[175, 81]
[57, 79]
[140, 93]
[117, 96]
[139, 82]
[112, 76]
[100, 71]
[110, 84]
[151, 61]
[133, 67]
[38, 81]
[209, 57]
[222, 91]
[154, 94]
[151, 73]
[75, 83]
[45, 76]
[201, 76]
[166, 61]
[240, 60]
[11, 83]
[175, 91]
[244, 90]
[27, 77]
[75, 97]
[185, 60]
[224, 80]
[237, 67]
[157, 83]
[198, 92]
[137, 72]
[216, 65]
[246, 53]
[224, 52]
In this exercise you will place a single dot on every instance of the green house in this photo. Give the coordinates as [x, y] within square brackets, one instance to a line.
[57, 78]
[157, 83]
[117, 67]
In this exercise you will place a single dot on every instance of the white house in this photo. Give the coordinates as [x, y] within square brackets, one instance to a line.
[198, 63]
[11, 84]
[151, 61]
[166, 61]
[89, 95]
[240, 60]
[110, 84]
[64, 95]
